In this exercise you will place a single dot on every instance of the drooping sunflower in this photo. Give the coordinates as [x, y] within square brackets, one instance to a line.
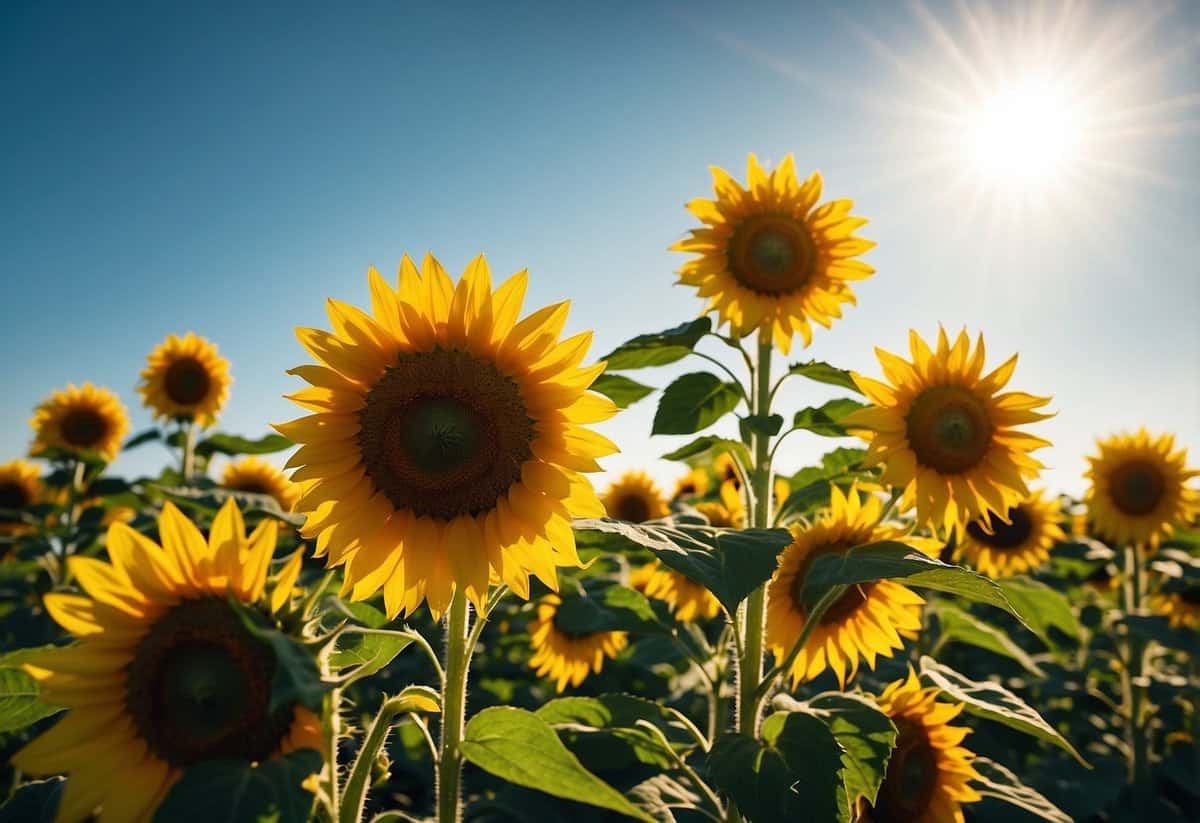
[565, 657]
[770, 257]
[868, 621]
[256, 476]
[687, 598]
[692, 484]
[448, 442]
[164, 674]
[946, 435]
[80, 419]
[185, 377]
[20, 487]
[1181, 608]
[635, 497]
[929, 773]
[1019, 543]
[1139, 487]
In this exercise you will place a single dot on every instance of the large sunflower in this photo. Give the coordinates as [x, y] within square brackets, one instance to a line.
[164, 673]
[929, 772]
[769, 257]
[185, 377]
[448, 442]
[20, 487]
[869, 620]
[80, 419]
[944, 432]
[635, 497]
[1139, 487]
[565, 657]
[1017, 544]
[256, 476]
[687, 598]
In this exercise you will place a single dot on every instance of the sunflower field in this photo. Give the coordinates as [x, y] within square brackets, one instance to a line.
[412, 602]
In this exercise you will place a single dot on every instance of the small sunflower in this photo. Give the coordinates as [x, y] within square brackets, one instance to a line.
[20, 487]
[946, 435]
[1139, 488]
[80, 419]
[164, 673]
[726, 470]
[770, 257]
[687, 598]
[635, 498]
[869, 620]
[1181, 608]
[929, 772]
[255, 476]
[449, 440]
[565, 657]
[729, 512]
[692, 484]
[185, 377]
[1018, 544]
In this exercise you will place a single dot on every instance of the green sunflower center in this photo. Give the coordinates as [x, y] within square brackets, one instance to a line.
[445, 434]
[772, 253]
[948, 429]
[1137, 487]
[911, 778]
[632, 508]
[846, 605]
[187, 381]
[83, 428]
[199, 687]
[1001, 535]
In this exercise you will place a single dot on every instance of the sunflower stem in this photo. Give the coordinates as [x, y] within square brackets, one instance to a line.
[1133, 678]
[189, 451]
[354, 797]
[454, 700]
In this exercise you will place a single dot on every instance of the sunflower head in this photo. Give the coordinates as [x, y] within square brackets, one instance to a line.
[769, 258]
[20, 487]
[256, 476]
[567, 657]
[1140, 487]
[1017, 544]
[448, 442]
[80, 420]
[165, 672]
[635, 498]
[929, 772]
[729, 511]
[869, 620]
[692, 484]
[1181, 608]
[946, 434]
[688, 599]
[726, 469]
[185, 378]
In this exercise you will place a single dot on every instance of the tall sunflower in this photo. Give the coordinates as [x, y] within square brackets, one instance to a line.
[565, 657]
[929, 773]
[1016, 544]
[770, 257]
[20, 487]
[256, 476]
[635, 497]
[692, 484]
[946, 435]
[80, 419]
[1139, 487]
[869, 620]
[448, 442]
[687, 598]
[164, 673]
[185, 377]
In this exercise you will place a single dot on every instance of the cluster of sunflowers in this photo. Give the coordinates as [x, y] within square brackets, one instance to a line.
[264, 647]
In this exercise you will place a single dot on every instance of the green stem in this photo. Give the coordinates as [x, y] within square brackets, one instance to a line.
[454, 706]
[333, 733]
[1134, 590]
[189, 451]
[354, 798]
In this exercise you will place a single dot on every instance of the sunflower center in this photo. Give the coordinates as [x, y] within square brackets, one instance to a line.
[13, 498]
[846, 605]
[186, 381]
[632, 508]
[1137, 487]
[1191, 596]
[948, 429]
[911, 778]
[83, 428]
[251, 487]
[1001, 535]
[772, 253]
[445, 434]
[199, 687]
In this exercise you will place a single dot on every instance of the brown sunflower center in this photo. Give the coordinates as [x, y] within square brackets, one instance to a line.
[846, 605]
[83, 428]
[14, 496]
[1137, 487]
[772, 253]
[251, 487]
[911, 778]
[199, 687]
[187, 381]
[445, 434]
[948, 429]
[633, 508]
[1001, 535]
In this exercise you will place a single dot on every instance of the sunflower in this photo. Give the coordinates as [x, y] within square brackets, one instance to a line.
[1017, 544]
[448, 442]
[186, 378]
[164, 673]
[867, 621]
[1181, 608]
[80, 419]
[255, 476]
[727, 471]
[946, 435]
[20, 487]
[929, 772]
[1139, 488]
[635, 498]
[687, 598]
[692, 484]
[729, 512]
[565, 657]
[770, 257]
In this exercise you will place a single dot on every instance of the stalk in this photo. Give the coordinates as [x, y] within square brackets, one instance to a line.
[189, 451]
[454, 705]
[1134, 689]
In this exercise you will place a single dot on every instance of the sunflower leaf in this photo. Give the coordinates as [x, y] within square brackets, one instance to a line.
[620, 389]
[615, 609]
[20, 704]
[822, 372]
[956, 625]
[768, 425]
[142, 437]
[229, 790]
[1042, 607]
[231, 445]
[709, 443]
[826, 419]
[658, 348]
[614, 717]
[694, 402]
[997, 781]
[35, 802]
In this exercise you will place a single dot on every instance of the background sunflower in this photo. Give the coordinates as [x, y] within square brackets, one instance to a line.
[1023, 543]
[185, 377]
[256, 476]
[635, 497]
[20, 487]
[564, 657]
[80, 420]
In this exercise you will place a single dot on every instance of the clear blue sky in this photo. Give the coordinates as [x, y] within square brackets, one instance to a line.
[223, 170]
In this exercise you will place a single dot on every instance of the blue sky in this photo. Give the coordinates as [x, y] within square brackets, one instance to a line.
[223, 170]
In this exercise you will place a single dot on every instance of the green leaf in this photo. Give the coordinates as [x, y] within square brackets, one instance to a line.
[614, 609]
[297, 678]
[994, 702]
[659, 348]
[20, 705]
[1042, 607]
[230, 790]
[620, 389]
[694, 402]
[35, 802]
[826, 419]
[709, 443]
[617, 715]
[142, 437]
[997, 781]
[822, 372]
[368, 652]
[769, 425]
[518, 746]
[1159, 630]
[959, 626]
[231, 445]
